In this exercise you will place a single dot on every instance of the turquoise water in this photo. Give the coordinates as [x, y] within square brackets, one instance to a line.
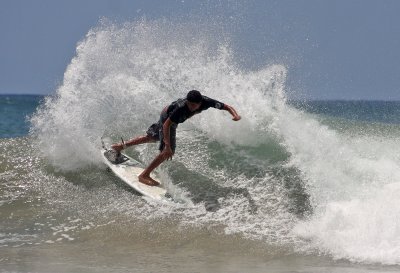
[369, 111]
[14, 113]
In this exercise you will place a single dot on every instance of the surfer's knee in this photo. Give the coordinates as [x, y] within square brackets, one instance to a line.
[152, 139]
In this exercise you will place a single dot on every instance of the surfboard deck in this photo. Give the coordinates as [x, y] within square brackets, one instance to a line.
[128, 169]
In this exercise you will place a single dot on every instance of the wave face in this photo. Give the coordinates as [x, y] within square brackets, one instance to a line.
[280, 175]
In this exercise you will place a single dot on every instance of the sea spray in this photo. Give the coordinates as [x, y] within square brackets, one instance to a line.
[279, 175]
[120, 80]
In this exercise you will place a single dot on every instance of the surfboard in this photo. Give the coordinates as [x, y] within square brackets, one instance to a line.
[127, 169]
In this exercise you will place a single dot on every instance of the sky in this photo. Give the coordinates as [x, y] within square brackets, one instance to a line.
[338, 49]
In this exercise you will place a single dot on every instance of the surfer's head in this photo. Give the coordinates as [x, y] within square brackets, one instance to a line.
[194, 96]
[194, 99]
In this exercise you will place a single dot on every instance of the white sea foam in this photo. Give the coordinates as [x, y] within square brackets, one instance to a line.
[353, 183]
[122, 76]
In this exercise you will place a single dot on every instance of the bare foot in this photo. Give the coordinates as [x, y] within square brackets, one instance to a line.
[148, 180]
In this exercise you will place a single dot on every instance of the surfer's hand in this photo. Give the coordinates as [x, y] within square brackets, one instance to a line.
[167, 152]
[236, 117]
[232, 111]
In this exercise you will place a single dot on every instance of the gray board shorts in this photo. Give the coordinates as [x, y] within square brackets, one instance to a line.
[156, 131]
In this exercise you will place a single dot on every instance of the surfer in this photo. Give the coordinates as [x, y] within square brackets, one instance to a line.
[165, 129]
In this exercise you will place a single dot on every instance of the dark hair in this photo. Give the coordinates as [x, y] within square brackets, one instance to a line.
[194, 96]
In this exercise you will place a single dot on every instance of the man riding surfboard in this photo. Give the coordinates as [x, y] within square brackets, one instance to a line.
[165, 129]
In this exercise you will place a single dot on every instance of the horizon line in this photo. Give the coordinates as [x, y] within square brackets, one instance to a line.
[289, 99]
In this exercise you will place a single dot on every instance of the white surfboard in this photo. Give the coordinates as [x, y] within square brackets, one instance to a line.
[128, 170]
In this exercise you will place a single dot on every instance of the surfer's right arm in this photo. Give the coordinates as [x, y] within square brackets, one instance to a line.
[232, 111]
[167, 139]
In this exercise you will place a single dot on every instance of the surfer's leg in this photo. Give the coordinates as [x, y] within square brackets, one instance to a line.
[134, 141]
[145, 178]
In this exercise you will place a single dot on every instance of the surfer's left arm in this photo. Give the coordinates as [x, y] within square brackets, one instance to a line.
[232, 111]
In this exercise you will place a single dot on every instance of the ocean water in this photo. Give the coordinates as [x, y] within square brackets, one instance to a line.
[14, 114]
[293, 187]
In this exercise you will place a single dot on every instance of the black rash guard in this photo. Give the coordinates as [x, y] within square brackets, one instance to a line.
[178, 111]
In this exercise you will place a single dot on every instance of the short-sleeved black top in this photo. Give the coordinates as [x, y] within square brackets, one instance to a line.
[178, 111]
